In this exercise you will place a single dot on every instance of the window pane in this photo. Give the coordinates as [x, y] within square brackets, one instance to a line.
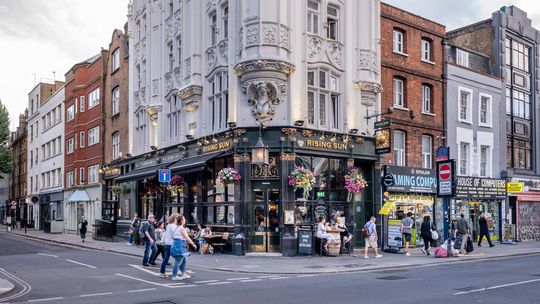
[322, 109]
[311, 107]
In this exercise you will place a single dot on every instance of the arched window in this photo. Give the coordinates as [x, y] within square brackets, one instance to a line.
[399, 86]
[427, 49]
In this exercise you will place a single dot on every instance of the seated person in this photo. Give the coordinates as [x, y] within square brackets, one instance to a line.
[202, 234]
[343, 231]
[322, 227]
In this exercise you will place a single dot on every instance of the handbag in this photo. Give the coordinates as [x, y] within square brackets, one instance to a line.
[434, 234]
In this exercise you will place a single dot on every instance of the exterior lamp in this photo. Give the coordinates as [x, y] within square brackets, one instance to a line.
[259, 153]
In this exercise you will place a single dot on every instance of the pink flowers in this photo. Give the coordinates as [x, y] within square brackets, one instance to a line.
[302, 178]
[354, 182]
[228, 175]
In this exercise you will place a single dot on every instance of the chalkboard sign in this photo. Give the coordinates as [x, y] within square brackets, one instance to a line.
[305, 242]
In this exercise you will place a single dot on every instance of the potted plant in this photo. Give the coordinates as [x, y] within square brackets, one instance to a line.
[152, 186]
[228, 175]
[302, 178]
[354, 182]
[176, 185]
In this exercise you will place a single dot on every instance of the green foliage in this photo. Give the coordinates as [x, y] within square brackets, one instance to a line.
[5, 155]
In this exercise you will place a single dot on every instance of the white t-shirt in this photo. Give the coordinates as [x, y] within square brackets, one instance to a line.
[320, 230]
[169, 234]
[178, 233]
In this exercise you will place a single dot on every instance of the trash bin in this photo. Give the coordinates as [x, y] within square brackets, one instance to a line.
[288, 245]
[239, 244]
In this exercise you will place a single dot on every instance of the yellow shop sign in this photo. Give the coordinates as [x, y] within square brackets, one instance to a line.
[514, 187]
[217, 146]
[326, 144]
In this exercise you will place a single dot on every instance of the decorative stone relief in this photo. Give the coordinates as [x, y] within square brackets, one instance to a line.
[210, 57]
[263, 98]
[155, 87]
[369, 92]
[177, 24]
[223, 51]
[190, 97]
[187, 65]
[252, 34]
[284, 37]
[364, 59]
[177, 76]
[264, 64]
[270, 34]
[335, 54]
[168, 81]
[314, 47]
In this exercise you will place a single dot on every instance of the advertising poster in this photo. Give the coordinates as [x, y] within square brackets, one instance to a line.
[394, 235]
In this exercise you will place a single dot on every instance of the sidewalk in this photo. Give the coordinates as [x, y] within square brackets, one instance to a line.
[271, 264]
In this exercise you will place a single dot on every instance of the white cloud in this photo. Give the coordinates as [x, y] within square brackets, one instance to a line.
[38, 37]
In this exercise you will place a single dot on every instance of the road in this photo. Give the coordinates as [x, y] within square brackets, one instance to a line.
[47, 273]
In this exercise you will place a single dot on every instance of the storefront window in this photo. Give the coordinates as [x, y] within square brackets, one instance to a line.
[218, 214]
[329, 177]
[217, 192]
[419, 205]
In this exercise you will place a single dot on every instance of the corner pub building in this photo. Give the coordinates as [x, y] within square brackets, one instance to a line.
[220, 100]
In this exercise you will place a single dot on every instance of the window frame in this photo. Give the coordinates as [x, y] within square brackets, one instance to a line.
[485, 163]
[462, 58]
[93, 174]
[468, 119]
[70, 113]
[464, 162]
[396, 95]
[218, 101]
[115, 101]
[93, 98]
[427, 157]
[323, 115]
[70, 145]
[489, 111]
[400, 154]
[332, 20]
[115, 139]
[429, 100]
[82, 139]
[93, 136]
[429, 51]
[115, 60]
[399, 41]
[313, 18]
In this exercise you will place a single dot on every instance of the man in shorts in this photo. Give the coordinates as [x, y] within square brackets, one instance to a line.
[406, 230]
[371, 240]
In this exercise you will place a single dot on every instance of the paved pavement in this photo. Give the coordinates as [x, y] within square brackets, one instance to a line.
[297, 265]
[48, 273]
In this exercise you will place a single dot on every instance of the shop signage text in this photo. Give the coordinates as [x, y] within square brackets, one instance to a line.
[325, 144]
[480, 188]
[416, 180]
[514, 187]
[382, 141]
[223, 145]
[383, 123]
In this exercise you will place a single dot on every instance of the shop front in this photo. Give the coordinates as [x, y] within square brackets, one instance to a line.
[411, 190]
[524, 209]
[49, 211]
[477, 195]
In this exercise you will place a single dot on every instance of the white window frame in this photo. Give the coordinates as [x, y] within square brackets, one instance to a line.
[115, 60]
[462, 58]
[398, 96]
[81, 104]
[489, 98]
[218, 101]
[324, 114]
[70, 145]
[70, 113]
[468, 119]
[93, 174]
[398, 41]
[174, 116]
[314, 18]
[400, 153]
[93, 98]
[115, 105]
[70, 179]
[115, 145]
[464, 162]
[426, 99]
[486, 162]
[427, 156]
[426, 50]
[93, 136]
[332, 22]
[213, 29]
[82, 139]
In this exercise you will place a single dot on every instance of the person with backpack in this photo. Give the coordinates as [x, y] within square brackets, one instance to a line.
[406, 230]
[370, 237]
[149, 238]
[426, 233]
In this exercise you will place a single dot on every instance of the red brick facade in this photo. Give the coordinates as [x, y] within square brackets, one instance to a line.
[82, 79]
[409, 67]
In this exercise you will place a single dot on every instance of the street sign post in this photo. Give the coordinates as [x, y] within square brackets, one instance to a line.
[383, 123]
[445, 178]
[164, 175]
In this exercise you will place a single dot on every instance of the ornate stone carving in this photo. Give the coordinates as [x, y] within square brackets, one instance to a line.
[314, 47]
[155, 87]
[210, 57]
[190, 97]
[177, 23]
[364, 59]
[168, 81]
[266, 171]
[187, 65]
[252, 34]
[367, 86]
[177, 76]
[283, 37]
[264, 64]
[289, 131]
[335, 54]
[263, 98]
[270, 34]
[223, 51]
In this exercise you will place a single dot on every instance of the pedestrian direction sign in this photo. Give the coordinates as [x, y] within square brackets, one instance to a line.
[164, 175]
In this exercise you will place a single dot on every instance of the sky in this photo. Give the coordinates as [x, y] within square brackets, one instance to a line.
[38, 37]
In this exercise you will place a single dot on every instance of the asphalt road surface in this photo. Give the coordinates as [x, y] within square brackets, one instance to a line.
[47, 273]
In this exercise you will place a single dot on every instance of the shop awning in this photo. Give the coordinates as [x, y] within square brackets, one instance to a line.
[79, 196]
[143, 172]
[193, 163]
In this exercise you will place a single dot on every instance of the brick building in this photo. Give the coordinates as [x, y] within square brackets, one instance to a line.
[17, 177]
[115, 116]
[83, 158]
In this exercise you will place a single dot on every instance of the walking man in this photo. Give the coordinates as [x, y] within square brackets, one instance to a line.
[149, 238]
[406, 230]
[371, 238]
[484, 230]
[464, 229]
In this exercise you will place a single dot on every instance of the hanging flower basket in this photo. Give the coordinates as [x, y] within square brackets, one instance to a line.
[354, 182]
[176, 184]
[120, 189]
[228, 176]
[302, 178]
[152, 186]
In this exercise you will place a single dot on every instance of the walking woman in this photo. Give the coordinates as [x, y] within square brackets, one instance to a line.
[168, 241]
[178, 249]
[82, 228]
[425, 233]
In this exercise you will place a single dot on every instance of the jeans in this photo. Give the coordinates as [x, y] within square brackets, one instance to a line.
[201, 242]
[166, 256]
[179, 261]
[147, 254]
[130, 238]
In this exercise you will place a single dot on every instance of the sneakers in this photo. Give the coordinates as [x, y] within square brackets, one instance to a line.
[129, 244]
[177, 278]
[423, 250]
[491, 245]
[162, 275]
[366, 257]
[186, 276]
[189, 271]
[378, 256]
[427, 252]
[407, 254]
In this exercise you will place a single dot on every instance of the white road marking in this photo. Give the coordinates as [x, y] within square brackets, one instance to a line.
[141, 280]
[202, 282]
[496, 287]
[306, 275]
[144, 269]
[46, 299]
[95, 294]
[279, 278]
[82, 264]
[238, 279]
[267, 277]
[49, 255]
[252, 280]
[219, 283]
[142, 290]
[26, 287]
[182, 286]
[174, 284]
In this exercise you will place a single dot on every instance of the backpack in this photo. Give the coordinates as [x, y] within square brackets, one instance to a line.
[365, 230]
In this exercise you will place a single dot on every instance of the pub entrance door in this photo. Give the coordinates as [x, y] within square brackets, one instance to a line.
[266, 218]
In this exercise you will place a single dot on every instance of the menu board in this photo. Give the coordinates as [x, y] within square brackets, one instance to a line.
[305, 242]
[394, 235]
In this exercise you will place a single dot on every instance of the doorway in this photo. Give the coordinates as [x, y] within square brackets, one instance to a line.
[266, 218]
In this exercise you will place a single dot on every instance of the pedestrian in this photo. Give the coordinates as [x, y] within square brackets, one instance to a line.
[464, 229]
[82, 228]
[406, 230]
[484, 230]
[425, 233]
[160, 242]
[168, 241]
[149, 237]
[178, 249]
[322, 233]
[370, 237]
[134, 229]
